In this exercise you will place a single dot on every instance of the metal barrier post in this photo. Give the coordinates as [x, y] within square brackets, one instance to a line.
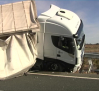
[90, 65]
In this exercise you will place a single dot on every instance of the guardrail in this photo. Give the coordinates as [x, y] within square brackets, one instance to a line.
[90, 56]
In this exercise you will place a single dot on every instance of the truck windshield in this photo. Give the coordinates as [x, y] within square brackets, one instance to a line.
[81, 37]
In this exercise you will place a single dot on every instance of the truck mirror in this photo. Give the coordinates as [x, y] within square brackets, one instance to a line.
[75, 35]
[72, 47]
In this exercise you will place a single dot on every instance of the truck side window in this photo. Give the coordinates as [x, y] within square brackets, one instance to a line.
[63, 43]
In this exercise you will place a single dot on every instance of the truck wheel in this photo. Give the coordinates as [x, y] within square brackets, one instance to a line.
[54, 66]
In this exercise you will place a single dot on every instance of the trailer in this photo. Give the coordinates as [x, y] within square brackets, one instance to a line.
[18, 27]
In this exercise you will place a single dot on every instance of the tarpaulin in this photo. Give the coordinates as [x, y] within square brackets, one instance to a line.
[17, 54]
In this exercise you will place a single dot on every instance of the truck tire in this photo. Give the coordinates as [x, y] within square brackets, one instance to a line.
[54, 66]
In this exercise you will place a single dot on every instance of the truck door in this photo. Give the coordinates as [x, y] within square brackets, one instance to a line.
[65, 49]
[49, 48]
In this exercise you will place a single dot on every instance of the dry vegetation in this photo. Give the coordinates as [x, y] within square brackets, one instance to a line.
[92, 48]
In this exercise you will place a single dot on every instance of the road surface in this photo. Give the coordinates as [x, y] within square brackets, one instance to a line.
[52, 81]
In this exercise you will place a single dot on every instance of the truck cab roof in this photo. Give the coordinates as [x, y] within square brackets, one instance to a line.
[62, 17]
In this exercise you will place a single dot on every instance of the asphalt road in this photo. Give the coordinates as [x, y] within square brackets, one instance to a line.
[50, 81]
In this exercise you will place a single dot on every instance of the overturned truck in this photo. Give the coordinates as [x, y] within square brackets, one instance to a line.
[18, 27]
[57, 45]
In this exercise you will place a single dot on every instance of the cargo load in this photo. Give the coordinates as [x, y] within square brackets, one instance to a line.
[18, 27]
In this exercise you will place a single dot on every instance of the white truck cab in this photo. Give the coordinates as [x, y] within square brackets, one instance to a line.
[60, 40]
